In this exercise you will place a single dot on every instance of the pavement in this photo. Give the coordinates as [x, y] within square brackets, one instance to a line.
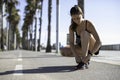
[110, 57]
[30, 65]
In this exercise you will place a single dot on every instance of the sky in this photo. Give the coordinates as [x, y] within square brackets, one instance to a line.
[103, 13]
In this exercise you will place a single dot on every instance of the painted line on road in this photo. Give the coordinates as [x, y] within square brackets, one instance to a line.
[19, 59]
[18, 70]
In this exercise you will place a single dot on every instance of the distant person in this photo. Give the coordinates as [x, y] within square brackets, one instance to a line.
[84, 39]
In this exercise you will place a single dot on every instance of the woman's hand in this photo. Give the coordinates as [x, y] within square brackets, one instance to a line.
[87, 58]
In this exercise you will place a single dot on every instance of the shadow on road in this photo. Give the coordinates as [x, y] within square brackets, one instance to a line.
[49, 69]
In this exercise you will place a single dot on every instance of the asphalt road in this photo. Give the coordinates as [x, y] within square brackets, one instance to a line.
[29, 65]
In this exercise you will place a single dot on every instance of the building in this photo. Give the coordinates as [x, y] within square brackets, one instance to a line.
[111, 47]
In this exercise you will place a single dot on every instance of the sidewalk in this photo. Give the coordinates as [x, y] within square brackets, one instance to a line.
[111, 57]
[105, 56]
[31, 65]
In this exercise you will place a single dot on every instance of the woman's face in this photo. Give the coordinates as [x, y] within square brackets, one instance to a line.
[77, 18]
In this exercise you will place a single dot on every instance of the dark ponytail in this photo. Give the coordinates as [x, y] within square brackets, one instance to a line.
[73, 25]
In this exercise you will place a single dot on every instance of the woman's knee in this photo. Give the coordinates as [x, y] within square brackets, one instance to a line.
[85, 34]
[78, 50]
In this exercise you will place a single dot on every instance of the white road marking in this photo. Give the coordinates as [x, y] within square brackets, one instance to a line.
[18, 70]
[19, 59]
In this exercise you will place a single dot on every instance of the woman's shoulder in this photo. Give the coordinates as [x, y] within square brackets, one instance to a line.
[88, 21]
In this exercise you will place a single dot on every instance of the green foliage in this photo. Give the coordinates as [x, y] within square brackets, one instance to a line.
[13, 18]
[30, 10]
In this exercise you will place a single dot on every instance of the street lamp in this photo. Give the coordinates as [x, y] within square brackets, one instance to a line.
[57, 26]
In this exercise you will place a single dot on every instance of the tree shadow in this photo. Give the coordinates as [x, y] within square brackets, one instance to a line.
[49, 69]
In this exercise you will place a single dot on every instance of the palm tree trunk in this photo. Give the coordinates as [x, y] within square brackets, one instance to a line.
[15, 41]
[48, 49]
[10, 27]
[2, 45]
[40, 25]
[35, 34]
[81, 4]
[30, 43]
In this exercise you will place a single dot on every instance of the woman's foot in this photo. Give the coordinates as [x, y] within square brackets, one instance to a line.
[87, 59]
[86, 65]
[80, 66]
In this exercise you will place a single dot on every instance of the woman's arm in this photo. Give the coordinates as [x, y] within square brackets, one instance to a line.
[92, 30]
[71, 40]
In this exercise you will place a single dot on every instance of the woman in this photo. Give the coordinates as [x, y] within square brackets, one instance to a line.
[86, 37]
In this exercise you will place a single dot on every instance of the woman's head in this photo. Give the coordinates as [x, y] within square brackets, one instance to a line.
[76, 10]
[76, 15]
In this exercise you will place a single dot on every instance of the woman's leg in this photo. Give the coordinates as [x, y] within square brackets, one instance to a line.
[82, 57]
[85, 43]
[88, 46]
[78, 58]
[78, 54]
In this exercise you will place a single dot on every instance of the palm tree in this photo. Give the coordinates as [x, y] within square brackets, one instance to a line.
[12, 14]
[24, 35]
[48, 49]
[28, 20]
[18, 38]
[15, 23]
[1, 12]
[37, 6]
[81, 4]
[40, 25]
[30, 11]
[13, 17]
